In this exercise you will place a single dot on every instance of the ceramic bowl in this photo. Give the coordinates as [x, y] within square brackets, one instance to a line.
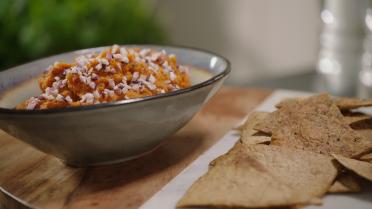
[111, 132]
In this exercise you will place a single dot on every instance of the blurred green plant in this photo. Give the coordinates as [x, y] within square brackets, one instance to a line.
[30, 29]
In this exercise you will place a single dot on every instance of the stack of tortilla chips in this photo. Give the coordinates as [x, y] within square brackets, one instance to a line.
[291, 157]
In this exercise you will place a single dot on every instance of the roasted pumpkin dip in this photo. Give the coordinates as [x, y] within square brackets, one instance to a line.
[117, 73]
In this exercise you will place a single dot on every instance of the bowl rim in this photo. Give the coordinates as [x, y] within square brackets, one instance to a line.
[208, 82]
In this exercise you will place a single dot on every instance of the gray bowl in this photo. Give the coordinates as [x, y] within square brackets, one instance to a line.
[111, 132]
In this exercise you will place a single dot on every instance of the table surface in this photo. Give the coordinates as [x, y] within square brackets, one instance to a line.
[30, 178]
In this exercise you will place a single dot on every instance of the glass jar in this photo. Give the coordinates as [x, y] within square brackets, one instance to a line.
[341, 46]
[365, 75]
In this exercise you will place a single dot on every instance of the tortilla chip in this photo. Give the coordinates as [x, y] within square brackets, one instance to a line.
[250, 140]
[364, 128]
[363, 169]
[315, 201]
[345, 183]
[248, 134]
[285, 102]
[351, 118]
[319, 104]
[252, 120]
[313, 124]
[367, 158]
[352, 103]
[262, 176]
[220, 159]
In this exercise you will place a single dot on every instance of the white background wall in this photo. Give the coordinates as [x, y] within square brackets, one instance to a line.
[262, 38]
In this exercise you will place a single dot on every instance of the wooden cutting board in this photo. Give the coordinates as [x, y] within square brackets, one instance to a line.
[32, 179]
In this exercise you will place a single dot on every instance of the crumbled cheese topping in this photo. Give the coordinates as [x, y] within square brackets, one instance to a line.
[135, 76]
[32, 103]
[88, 98]
[114, 48]
[68, 99]
[172, 76]
[152, 79]
[111, 83]
[99, 73]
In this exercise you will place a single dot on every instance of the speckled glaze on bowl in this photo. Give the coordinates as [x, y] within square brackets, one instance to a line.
[111, 132]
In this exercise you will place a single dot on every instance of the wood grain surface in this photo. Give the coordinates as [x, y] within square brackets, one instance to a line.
[31, 179]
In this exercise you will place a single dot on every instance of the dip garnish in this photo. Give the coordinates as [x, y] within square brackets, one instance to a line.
[117, 73]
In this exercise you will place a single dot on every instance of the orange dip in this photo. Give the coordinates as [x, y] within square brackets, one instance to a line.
[117, 73]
